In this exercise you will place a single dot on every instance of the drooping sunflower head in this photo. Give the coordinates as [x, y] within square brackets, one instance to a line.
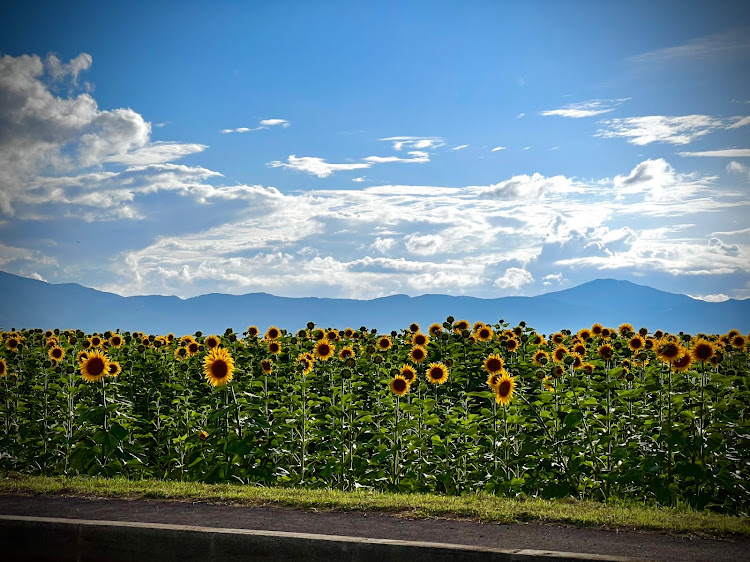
[484, 333]
[584, 334]
[504, 390]
[414, 327]
[512, 344]
[493, 364]
[437, 373]
[212, 341]
[324, 350]
[399, 385]
[625, 329]
[557, 338]
[636, 342]
[606, 352]
[114, 369]
[274, 347]
[658, 334]
[266, 366]
[218, 366]
[596, 330]
[559, 354]
[435, 330]
[420, 339]
[541, 358]
[95, 366]
[703, 350]
[56, 354]
[384, 343]
[181, 353]
[116, 341]
[408, 373]
[417, 354]
[346, 352]
[273, 333]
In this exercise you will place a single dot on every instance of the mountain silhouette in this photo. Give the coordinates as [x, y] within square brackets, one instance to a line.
[29, 303]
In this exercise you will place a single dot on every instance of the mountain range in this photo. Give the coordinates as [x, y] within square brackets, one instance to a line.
[29, 303]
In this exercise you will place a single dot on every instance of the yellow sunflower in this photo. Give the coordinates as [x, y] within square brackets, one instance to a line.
[116, 341]
[324, 350]
[212, 341]
[56, 354]
[274, 347]
[513, 344]
[95, 341]
[738, 342]
[114, 369]
[596, 330]
[332, 334]
[606, 352]
[399, 385]
[435, 329]
[346, 352]
[348, 333]
[460, 326]
[218, 366]
[192, 348]
[493, 364]
[266, 366]
[95, 366]
[683, 361]
[625, 329]
[703, 350]
[559, 354]
[547, 383]
[408, 373]
[12, 343]
[504, 390]
[577, 361]
[420, 339]
[579, 348]
[82, 356]
[557, 338]
[417, 354]
[668, 351]
[384, 343]
[185, 340]
[494, 379]
[584, 334]
[437, 373]
[636, 342]
[3, 367]
[273, 333]
[541, 358]
[484, 333]
[306, 361]
[180, 353]
[252, 332]
[588, 368]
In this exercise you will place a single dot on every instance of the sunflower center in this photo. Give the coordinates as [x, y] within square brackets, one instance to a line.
[399, 385]
[504, 388]
[57, 353]
[219, 369]
[95, 366]
[494, 364]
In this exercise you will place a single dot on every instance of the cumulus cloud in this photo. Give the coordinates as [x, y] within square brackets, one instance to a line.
[424, 245]
[524, 186]
[38, 277]
[514, 278]
[735, 167]
[589, 108]
[719, 297]
[264, 124]
[316, 166]
[552, 278]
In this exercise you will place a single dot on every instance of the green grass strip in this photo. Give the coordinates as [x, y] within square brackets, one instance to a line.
[480, 506]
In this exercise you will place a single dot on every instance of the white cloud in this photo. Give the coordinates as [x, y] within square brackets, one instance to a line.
[529, 187]
[526, 148]
[720, 297]
[382, 245]
[264, 124]
[497, 148]
[707, 48]
[359, 180]
[460, 147]
[552, 278]
[727, 153]
[418, 143]
[316, 166]
[424, 245]
[589, 108]
[740, 122]
[735, 167]
[156, 153]
[521, 115]
[514, 278]
[417, 156]
[36, 276]
[659, 128]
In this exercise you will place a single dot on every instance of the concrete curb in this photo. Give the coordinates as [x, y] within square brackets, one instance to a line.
[49, 538]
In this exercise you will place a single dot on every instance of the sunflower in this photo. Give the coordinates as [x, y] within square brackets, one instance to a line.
[324, 350]
[274, 347]
[193, 348]
[169, 337]
[738, 342]
[114, 369]
[180, 353]
[435, 330]
[414, 327]
[3, 367]
[408, 373]
[557, 338]
[186, 340]
[399, 385]
[625, 329]
[306, 361]
[12, 343]
[703, 350]
[547, 383]
[252, 332]
[494, 379]
[596, 330]
[579, 348]
[636, 342]
[346, 352]
[56, 354]
[584, 334]
[95, 341]
[606, 333]
[668, 351]
[541, 358]
[484, 333]
[95, 366]
[273, 333]
[52, 341]
[420, 339]
[460, 326]
[437, 373]
[493, 364]
[606, 352]
[559, 354]
[512, 344]
[348, 333]
[588, 368]
[212, 341]
[82, 356]
[683, 361]
[266, 366]
[202, 435]
[577, 361]
[384, 343]
[332, 334]
[116, 341]
[504, 390]
[417, 354]
[218, 366]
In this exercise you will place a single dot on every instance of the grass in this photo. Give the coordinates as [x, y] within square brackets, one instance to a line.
[480, 507]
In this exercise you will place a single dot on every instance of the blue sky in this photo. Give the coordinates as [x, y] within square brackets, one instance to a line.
[361, 149]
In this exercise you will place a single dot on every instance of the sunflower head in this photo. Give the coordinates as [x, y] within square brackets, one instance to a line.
[399, 385]
[417, 354]
[273, 333]
[218, 367]
[512, 344]
[559, 354]
[266, 366]
[541, 358]
[414, 327]
[202, 435]
[3, 367]
[579, 348]
[493, 364]
[636, 342]
[667, 350]
[606, 333]
[348, 333]
[625, 329]
[606, 352]
[252, 332]
[738, 342]
[95, 366]
[437, 373]
[114, 369]
[116, 341]
[408, 373]
[577, 361]
[547, 383]
[192, 348]
[12, 343]
[494, 379]
[212, 341]
[460, 326]
[420, 339]
[324, 350]
[95, 341]
[596, 330]
[274, 347]
[703, 350]
[384, 343]
[435, 329]
[584, 334]
[504, 390]
[56, 354]
[588, 368]
[180, 353]
[683, 361]
[484, 333]
[346, 352]
[557, 338]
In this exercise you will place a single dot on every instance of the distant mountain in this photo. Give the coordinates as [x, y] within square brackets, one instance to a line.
[28, 303]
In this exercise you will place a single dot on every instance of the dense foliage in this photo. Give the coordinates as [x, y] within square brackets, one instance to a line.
[596, 414]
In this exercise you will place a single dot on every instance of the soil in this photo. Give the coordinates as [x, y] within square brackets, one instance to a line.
[642, 544]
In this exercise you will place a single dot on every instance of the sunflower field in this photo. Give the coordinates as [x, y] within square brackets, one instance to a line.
[454, 408]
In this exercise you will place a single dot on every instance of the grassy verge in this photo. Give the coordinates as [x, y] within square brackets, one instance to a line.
[481, 507]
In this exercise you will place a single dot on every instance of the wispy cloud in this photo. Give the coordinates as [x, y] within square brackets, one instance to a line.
[417, 143]
[659, 128]
[460, 147]
[417, 156]
[316, 166]
[264, 124]
[497, 148]
[726, 153]
[589, 108]
[718, 45]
